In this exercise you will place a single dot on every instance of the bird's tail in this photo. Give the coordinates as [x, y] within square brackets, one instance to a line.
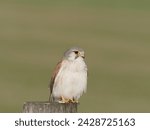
[51, 99]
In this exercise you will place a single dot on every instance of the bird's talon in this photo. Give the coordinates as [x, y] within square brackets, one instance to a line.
[63, 100]
[73, 101]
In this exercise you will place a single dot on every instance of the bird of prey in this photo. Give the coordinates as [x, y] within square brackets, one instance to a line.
[69, 79]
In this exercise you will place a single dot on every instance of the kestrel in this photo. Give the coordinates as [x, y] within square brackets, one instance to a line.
[69, 79]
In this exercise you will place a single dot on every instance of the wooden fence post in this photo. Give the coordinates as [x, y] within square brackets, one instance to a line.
[49, 107]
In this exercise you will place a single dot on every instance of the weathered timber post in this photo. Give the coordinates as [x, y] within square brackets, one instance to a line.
[49, 107]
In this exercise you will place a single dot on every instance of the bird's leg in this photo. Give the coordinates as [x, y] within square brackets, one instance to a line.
[63, 100]
[73, 100]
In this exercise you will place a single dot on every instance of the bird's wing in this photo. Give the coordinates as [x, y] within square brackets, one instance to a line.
[56, 70]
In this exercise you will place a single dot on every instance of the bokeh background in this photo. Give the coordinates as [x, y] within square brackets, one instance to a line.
[115, 35]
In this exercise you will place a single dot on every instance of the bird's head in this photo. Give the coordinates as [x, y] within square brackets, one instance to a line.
[74, 53]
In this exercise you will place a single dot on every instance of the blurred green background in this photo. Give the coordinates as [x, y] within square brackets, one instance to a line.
[115, 35]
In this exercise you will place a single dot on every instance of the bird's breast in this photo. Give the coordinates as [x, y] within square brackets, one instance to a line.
[71, 80]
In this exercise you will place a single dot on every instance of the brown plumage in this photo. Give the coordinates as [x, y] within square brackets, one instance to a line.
[56, 70]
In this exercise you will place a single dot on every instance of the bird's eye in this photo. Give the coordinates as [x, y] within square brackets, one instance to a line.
[76, 52]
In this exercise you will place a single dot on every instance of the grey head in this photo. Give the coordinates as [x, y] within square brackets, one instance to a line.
[74, 53]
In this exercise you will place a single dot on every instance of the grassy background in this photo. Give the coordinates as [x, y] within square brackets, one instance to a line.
[114, 34]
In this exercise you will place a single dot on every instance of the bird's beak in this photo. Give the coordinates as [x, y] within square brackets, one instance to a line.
[81, 54]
